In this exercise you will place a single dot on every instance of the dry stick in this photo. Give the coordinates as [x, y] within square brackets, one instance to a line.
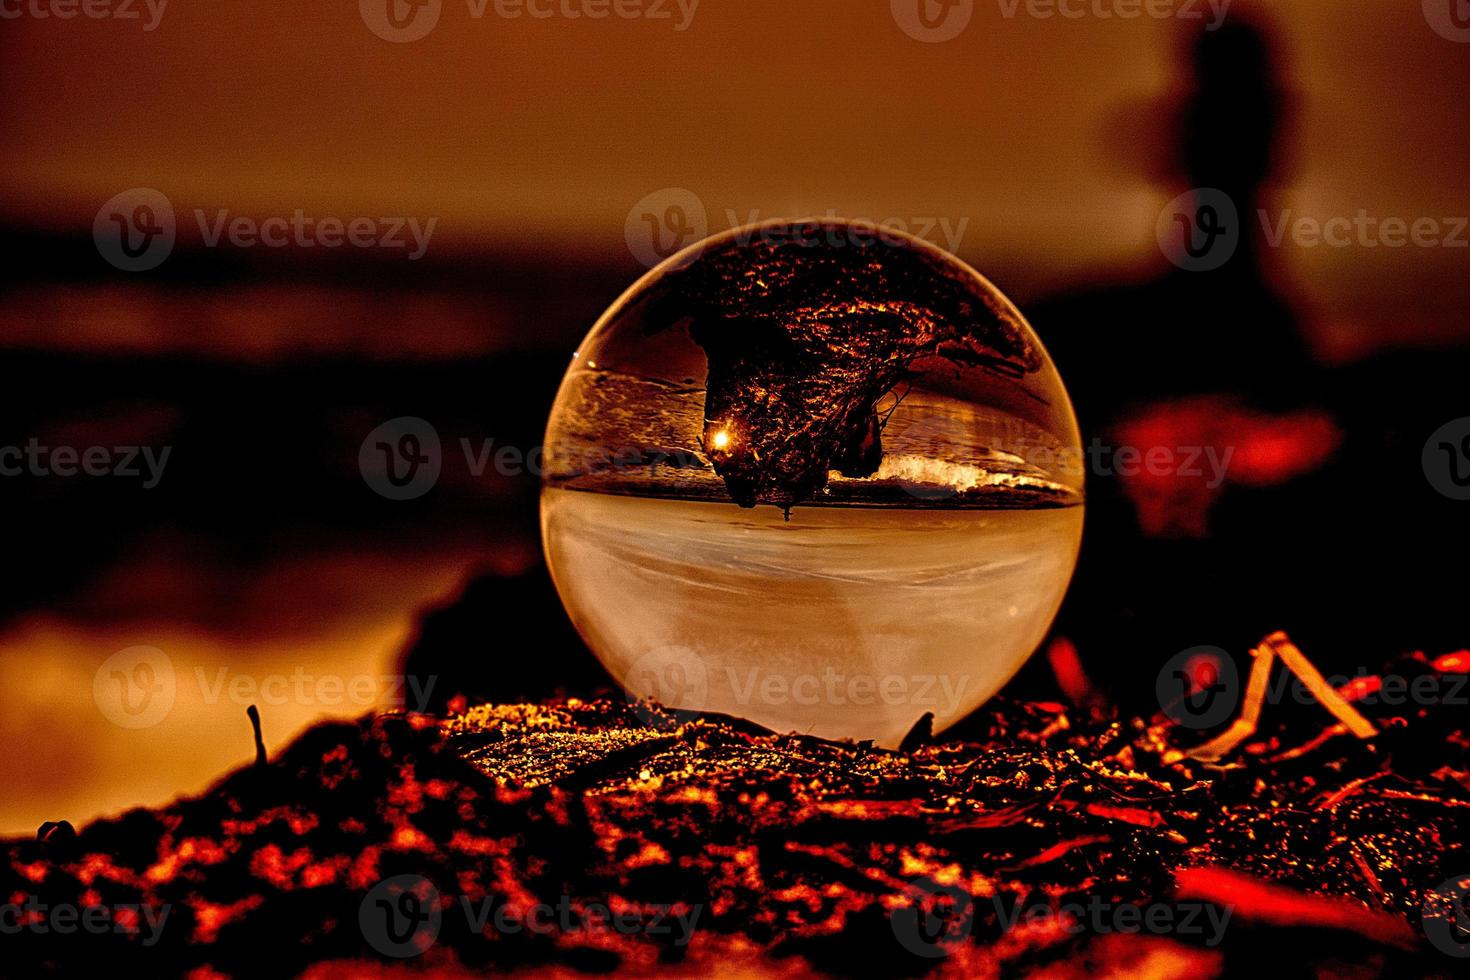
[1244, 726]
[1298, 663]
[260, 759]
[1273, 646]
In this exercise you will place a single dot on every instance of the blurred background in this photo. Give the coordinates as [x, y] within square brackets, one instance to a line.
[244, 237]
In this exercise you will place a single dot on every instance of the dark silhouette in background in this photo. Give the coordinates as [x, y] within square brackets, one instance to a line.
[1325, 524]
[1216, 324]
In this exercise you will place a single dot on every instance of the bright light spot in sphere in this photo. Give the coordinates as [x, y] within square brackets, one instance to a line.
[721, 440]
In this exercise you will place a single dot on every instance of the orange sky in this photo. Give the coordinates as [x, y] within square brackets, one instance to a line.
[550, 129]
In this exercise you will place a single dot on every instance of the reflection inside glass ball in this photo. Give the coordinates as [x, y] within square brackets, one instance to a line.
[817, 475]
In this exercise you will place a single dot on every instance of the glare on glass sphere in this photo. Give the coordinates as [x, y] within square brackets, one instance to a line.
[815, 474]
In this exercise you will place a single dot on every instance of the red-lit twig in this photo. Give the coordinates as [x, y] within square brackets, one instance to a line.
[1278, 645]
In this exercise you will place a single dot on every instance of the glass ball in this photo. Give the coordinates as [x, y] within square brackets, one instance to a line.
[816, 474]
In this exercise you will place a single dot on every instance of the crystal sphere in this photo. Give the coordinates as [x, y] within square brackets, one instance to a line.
[817, 474]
